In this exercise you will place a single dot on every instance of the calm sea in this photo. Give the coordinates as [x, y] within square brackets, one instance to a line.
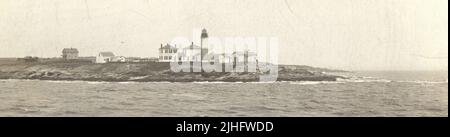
[365, 94]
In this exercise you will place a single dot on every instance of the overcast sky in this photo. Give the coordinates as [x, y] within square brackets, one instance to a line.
[342, 34]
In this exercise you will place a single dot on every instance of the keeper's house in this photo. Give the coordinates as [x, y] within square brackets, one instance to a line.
[167, 53]
[70, 53]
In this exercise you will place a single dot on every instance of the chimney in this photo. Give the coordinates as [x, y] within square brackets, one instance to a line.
[161, 45]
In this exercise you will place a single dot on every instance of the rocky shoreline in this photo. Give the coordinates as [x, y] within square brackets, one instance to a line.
[145, 72]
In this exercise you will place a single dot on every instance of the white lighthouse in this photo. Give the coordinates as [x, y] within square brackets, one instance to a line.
[203, 42]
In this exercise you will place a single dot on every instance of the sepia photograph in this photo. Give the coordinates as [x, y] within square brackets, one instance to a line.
[223, 58]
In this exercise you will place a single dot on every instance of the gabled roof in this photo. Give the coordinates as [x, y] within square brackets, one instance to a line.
[192, 46]
[107, 54]
[167, 46]
[70, 50]
[204, 51]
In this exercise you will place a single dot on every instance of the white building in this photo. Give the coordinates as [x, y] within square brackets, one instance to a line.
[220, 58]
[104, 57]
[118, 59]
[244, 57]
[195, 53]
[225, 58]
[168, 53]
[200, 53]
[245, 61]
[191, 53]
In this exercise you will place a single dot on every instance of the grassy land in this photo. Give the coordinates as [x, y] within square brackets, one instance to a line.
[142, 72]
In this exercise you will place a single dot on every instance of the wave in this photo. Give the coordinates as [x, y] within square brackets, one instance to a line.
[64, 81]
[208, 82]
[364, 80]
[315, 82]
[189, 95]
[98, 82]
[354, 79]
[17, 80]
[237, 82]
[268, 82]
[424, 82]
[378, 80]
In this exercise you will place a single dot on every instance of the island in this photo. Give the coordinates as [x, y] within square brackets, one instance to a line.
[144, 72]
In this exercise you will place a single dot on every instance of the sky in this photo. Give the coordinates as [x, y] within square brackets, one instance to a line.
[338, 34]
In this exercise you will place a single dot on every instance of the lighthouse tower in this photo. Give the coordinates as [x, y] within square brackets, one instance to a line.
[203, 42]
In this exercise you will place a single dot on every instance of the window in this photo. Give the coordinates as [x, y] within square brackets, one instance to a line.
[170, 57]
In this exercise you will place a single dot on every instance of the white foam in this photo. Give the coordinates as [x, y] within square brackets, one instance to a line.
[208, 82]
[189, 95]
[64, 81]
[138, 78]
[128, 82]
[424, 82]
[17, 80]
[266, 82]
[98, 82]
[364, 80]
[315, 82]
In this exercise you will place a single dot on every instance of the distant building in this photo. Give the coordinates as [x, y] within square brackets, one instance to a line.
[70, 53]
[191, 53]
[150, 59]
[118, 59]
[200, 53]
[244, 57]
[141, 60]
[220, 58]
[247, 59]
[167, 53]
[104, 57]
[29, 59]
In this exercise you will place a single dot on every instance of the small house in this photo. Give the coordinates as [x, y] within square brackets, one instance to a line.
[104, 57]
[70, 53]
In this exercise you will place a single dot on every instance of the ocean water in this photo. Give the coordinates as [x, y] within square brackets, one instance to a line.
[364, 94]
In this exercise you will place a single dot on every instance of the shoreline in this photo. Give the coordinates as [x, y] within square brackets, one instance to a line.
[147, 72]
[328, 79]
[212, 82]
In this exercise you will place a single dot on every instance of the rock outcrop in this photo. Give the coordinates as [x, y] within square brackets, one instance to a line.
[144, 72]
